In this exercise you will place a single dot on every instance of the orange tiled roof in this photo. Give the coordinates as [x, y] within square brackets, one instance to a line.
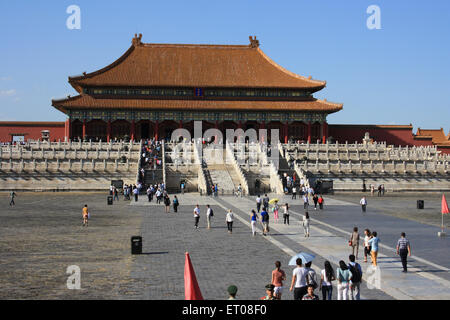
[195, 65]
[438, 136]
[86, 101]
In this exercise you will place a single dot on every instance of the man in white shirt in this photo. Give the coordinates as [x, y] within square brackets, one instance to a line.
[258, 203]
[208, 215]
[363, 204]
[298, 283]
[196, 215]
[229, 219]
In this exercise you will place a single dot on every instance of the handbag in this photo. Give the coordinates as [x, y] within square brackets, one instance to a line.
[350, 243]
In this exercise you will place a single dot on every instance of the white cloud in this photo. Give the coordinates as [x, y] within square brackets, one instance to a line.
[8, 93]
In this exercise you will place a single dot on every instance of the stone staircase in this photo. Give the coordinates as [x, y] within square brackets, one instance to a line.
[217, 171]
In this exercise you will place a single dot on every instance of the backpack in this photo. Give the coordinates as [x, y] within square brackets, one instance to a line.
[310, 280]
[211, 214]
[356, 275]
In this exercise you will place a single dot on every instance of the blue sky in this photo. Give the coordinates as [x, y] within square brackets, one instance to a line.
[396, 75]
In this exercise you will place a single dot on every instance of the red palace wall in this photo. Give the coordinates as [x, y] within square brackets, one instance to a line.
[393, 135]
[31, 130]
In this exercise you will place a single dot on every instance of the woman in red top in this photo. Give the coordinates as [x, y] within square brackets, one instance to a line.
[320, 202]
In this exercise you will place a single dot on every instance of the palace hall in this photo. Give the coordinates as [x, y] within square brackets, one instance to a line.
[153, 89]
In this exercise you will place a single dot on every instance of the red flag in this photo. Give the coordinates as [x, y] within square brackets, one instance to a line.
[191, 288]
[444, 206]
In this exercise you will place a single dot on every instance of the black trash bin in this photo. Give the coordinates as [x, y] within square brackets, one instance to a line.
[110, 200]
[420, 204]
[136, 245]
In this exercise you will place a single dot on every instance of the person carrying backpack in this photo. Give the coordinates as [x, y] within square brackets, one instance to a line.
[355, 283]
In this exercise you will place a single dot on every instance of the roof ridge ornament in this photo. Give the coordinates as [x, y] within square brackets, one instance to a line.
[253, 42]
[137, 40]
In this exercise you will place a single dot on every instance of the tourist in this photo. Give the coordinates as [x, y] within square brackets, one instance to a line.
[354, 241]
[182, 187]
[116, 194]
[310, 294]
[316, 200]
[326, 277]
[275, 211]
[232, 290]
[229, 219]
[196, 216]
[294, 192]
[278, 276]
[158, 195]
[149, 193]
[343, 276]
[254, 219]
[167, 203]
[311, 278]
[209, 215]
[286, 213]
[355, 283]
[379, 190]
[136, 194]
[269, 292]
[321, 201]
[111, 190]
[258, 203]
[382, 189]
[265, 202]
[298, 283]
[403, 250]
[265, 221]
[306, 224]
[363, 204]
[85, 215]
[367, 247]
[373, 242]
[305, 201]
[176, 203]
[12, 195]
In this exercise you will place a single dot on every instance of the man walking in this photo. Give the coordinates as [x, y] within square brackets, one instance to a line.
[196, 216]
[229, 219]
[298, 283]
[373, 242]
[209, 214]
[404, 249]
[258, 203]
[294, 192]
[12, 194]
[355, 282]
[363, 204]
[305, 201]
[265, 202]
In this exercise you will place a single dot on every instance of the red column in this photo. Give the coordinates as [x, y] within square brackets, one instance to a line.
[155, 133]
[108, 131]
[181, 124]
[324, 132]
[286, 132]
[132, 130]
[263, 126]
[309, 131]
[84, 128]
[68, 129]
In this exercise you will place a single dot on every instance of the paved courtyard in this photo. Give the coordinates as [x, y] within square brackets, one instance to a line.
[42, 235]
